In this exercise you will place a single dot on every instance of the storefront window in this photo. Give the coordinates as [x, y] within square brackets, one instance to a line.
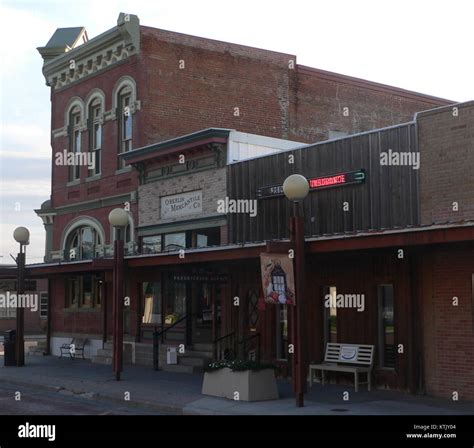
[208, 237]
[73, 292]
[330, 315]
[282, 331]
[87, 294]
[181, 240]
[83, 291]
[151, 244]
[175, 241]
[386, 327]
[152, 303]
[178, 300]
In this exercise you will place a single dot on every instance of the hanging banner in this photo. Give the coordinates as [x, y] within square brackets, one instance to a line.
[278, 279]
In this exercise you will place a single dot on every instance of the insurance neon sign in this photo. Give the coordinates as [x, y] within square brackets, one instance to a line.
[318, 183]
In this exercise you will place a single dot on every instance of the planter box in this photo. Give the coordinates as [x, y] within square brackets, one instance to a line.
[251, 386]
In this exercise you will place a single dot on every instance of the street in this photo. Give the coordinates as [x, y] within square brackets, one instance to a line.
[43, 402]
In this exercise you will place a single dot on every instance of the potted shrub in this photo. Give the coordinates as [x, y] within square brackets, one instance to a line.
[240, 380]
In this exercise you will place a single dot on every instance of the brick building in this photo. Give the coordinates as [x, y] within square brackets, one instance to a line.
[137, 99]
[35, 315]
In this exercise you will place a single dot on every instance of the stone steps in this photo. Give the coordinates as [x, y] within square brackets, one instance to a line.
[192, 360]
[104, 352]
[104, 360]
[104, 355]
[195, 361]
[203, 347]
[37, 350]
[177, 368]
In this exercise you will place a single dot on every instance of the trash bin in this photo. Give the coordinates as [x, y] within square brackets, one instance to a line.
[171, 355]
[9, 355]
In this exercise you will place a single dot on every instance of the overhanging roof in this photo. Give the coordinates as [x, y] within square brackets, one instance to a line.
[205, 136]
[407, 237]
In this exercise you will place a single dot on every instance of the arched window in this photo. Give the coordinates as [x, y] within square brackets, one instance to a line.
[125, 121]
[74, 132]
[125, 104]
[94, 122]
[82, 243]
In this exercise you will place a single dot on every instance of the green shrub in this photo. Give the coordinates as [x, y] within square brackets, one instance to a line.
[239, 365]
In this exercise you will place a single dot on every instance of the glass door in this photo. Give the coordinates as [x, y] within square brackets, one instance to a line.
[202, 309]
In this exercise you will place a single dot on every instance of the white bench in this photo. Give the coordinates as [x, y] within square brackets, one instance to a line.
[353, 358]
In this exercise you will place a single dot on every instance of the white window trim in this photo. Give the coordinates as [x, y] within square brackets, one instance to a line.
[82, 221]
[74, 102]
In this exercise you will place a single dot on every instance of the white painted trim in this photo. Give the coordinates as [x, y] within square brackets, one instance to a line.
[74, 101]
[79, 222]
[124, 81]
[91, 96]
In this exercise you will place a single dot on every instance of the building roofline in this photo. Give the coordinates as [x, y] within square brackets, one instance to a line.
[332, 76]
[436, 110]
[194, 137]
[220, 42]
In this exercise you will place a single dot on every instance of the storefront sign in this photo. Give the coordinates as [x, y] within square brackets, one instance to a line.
[277, 278]
[218, 278]
[182, 204]
[317, 183]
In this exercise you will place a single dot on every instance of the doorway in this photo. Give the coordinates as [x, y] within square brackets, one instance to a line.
[202, 301]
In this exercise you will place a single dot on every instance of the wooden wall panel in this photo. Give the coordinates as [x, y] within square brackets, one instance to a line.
[388, 198]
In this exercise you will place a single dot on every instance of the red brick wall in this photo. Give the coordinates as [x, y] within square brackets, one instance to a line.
[446, 139]
[321, 98]
[216, 78]
[300, 103]
[109, 184]
[84, 321]
[34, 324]
[448, 330]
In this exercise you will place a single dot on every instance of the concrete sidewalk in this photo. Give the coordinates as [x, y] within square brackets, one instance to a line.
[181, 393]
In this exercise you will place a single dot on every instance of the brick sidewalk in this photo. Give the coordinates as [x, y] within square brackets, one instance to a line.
[181, 393]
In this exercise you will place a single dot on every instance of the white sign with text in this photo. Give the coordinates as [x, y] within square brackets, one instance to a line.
[182, 204]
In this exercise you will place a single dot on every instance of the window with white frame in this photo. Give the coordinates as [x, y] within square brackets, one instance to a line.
[125, 122]
[82, 243]
[75, 142]
[43, 305]
[95, 136]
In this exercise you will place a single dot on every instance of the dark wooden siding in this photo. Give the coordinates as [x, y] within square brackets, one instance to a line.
[389, 198]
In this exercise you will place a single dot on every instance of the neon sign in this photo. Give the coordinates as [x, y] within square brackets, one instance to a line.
[317, 183]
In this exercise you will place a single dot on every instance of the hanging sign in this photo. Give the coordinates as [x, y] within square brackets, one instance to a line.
[317, 183]
[277, 278]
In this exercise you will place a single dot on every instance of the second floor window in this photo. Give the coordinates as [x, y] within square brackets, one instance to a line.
[75, 143]
[82, 244]
[125, 123]
[95, 135]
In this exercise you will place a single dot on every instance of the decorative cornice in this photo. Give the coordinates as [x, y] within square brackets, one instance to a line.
[97, 54]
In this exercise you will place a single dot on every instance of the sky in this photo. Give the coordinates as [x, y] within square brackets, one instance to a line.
[425, 46]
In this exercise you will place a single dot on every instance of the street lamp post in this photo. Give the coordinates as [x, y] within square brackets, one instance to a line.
[296, 188]
[118, 218]
[22, 236]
